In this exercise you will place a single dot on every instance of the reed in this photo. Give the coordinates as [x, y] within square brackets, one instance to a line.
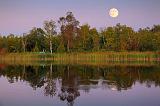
[84, 58]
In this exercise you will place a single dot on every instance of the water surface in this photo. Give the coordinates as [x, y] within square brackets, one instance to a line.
[68, 85]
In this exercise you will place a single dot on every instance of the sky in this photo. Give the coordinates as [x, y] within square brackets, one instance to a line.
[20, 16]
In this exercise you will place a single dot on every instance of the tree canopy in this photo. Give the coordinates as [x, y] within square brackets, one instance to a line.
[73, 37]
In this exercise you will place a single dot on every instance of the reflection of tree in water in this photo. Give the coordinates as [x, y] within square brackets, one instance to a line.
[71, 79]
[69, 94]
[69, 89]
[68, 85]
[35, 76]
[50, 88]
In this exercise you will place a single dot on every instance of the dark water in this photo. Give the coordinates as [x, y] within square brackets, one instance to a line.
[79, 85]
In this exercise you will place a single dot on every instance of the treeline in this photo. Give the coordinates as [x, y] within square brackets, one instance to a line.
[121, 77]
[71, 37]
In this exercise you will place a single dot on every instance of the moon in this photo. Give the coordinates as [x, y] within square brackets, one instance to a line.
[113, 12]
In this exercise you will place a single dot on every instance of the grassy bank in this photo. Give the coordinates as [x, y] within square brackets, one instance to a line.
[92, 58]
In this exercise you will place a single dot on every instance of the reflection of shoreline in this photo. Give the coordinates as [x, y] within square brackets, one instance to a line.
[147, 61]
[83, 75]
[104, 84]
[66, 82]
[2, 66]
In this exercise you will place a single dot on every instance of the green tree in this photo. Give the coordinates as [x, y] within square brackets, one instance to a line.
[24, 41]
[147, 40]
[95, 37]
[50, 28]
[83, 35]
[108, 38]
[36, 36]
[13, 43]
[55, 43]
[1, 42]
[156, 28]
[156, 39]
[127, 38]
[89, 44]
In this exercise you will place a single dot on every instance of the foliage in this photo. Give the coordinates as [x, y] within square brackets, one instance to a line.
[75, 38]
[68, 26]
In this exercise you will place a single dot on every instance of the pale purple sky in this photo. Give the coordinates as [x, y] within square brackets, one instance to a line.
[19, 16]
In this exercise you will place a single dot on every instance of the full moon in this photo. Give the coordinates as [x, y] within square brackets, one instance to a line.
[113, 12]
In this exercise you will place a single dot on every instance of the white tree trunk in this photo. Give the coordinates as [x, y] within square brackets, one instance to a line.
[50, 46]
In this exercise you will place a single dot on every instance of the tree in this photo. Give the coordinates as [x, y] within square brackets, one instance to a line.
[3, 45]
[68, 27]
[89, 44]
[36, 36]
[24, 41]
[156, 36]
[95, 37]
[157, 40]
[13, 43]
[102, 42]
[1, 42]
[83, 35]
[108, 38]
[117, 37]
[55, 43]
[127, 38]
[50, 28]
[156, 28]
[147, 40]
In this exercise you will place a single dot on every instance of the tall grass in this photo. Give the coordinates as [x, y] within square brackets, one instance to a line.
[92, 58]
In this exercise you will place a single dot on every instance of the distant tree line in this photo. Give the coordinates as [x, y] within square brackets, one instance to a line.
[73, 37]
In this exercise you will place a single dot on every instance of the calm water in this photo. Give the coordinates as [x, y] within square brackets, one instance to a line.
[79, 85]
